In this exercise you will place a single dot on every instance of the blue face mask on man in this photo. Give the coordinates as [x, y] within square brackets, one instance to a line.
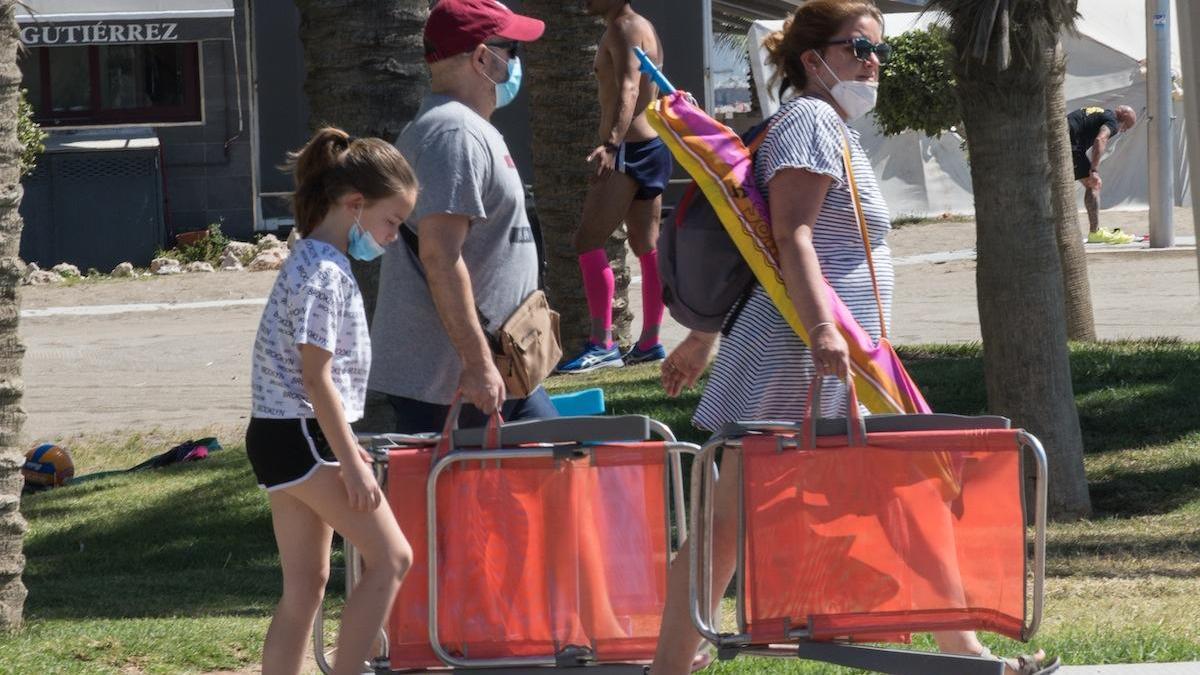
[507, 90]
[362, 245]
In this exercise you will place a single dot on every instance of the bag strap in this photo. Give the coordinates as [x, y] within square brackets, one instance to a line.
[414, 247]
[862, 228]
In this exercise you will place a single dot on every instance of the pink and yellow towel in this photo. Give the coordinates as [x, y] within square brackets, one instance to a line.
[721, 165]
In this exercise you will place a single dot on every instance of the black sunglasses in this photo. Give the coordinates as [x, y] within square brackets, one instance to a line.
[511, 46]
[863, 48]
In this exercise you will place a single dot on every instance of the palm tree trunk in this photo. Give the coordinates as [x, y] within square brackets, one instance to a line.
[12, 525]
[365, 72]
[1081, 325]
[1019, 278]
[565, 115]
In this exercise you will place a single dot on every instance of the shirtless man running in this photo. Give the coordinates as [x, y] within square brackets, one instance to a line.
[630, 169]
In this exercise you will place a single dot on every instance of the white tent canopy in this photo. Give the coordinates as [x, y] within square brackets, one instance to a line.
[923, 176]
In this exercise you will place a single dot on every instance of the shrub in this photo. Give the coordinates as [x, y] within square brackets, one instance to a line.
[916, 87]
[207, 249]
[30, 135]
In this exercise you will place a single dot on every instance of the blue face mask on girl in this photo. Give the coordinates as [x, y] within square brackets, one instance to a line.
[362, 245]
[507, 90]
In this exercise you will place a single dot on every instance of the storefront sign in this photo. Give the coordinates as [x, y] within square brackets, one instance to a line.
[41, 34]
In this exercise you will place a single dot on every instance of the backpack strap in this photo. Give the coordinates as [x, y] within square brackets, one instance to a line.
[758, 140]
[745, 296]
[862, 227]
[693, 189]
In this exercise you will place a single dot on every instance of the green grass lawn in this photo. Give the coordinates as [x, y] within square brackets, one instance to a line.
[175, 570]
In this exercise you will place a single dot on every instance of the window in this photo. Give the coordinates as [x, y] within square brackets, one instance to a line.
[113, 84]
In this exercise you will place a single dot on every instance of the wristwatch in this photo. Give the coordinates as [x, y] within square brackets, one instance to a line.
[611, 146]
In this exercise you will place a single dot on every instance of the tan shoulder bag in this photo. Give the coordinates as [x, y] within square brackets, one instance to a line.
[527, 347]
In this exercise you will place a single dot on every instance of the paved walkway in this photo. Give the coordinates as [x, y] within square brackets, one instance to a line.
[1182, 244]
[1192, 668]
[1137, 292]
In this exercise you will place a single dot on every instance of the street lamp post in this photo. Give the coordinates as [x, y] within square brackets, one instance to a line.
[1158, 103]
[1189, 25]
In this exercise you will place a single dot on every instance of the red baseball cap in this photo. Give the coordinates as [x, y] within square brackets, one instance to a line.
[458, 26]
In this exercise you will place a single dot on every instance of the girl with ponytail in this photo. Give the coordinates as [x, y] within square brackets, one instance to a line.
[308, 383]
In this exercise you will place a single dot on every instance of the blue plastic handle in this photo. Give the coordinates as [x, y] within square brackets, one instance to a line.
[648, 67]
[580, 403]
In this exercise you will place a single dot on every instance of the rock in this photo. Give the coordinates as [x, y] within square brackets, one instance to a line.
[229, 262]
[159, 263]
[198, 266]
[270, 259]
[240, 250]
[42, 277]
[270, 242]
[31, 268]
[65, 270]
[165, 266]
[123, 270]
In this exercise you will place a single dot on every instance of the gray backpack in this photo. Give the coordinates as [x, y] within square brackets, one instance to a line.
[705, 280]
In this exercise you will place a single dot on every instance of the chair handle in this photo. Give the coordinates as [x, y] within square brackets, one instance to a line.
[446, 441]
[812, 414]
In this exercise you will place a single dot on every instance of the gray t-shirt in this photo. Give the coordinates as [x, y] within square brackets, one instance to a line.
[464, 168]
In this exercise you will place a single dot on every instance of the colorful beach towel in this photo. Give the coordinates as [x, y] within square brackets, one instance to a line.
[717, 159]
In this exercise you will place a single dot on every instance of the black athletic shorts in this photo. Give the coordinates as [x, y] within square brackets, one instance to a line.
[284, 452]
[1083, 165]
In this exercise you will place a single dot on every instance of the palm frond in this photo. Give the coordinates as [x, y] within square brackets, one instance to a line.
[734, 42]
[989, 30]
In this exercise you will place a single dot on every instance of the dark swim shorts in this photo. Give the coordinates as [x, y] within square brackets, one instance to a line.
[648, 163]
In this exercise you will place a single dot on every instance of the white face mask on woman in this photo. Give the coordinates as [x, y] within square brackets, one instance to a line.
[853, 97]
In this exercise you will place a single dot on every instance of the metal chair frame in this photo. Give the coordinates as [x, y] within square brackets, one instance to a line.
[884, 660]
[557, 439]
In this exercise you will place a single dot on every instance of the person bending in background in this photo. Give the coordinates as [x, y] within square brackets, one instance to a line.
[1091, 128]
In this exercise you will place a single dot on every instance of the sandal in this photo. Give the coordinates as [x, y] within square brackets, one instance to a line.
[1027, 664]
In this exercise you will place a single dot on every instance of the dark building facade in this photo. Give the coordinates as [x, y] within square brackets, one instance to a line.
[147, 108]
[168, 116]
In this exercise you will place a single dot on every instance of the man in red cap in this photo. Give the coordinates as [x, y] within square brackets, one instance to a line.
[469, 258]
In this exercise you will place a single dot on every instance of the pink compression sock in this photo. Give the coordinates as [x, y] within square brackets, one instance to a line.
[652, 302]
[598, 286]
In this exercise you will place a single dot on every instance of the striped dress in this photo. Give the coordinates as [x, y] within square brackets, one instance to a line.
[763, 369]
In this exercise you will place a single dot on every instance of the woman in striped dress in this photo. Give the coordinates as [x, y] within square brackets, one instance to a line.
[828, 54]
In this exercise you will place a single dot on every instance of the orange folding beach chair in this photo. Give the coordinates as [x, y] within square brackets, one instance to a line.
[869, 529]
[537, 545]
